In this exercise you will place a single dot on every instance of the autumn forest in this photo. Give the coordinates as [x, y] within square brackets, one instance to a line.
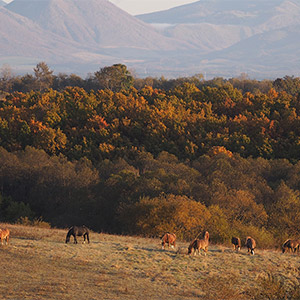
[147, 155]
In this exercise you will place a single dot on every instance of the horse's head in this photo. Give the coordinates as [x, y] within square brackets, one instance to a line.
[191, 246]
[248, 238]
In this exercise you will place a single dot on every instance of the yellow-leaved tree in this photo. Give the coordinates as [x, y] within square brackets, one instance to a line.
[165, 213]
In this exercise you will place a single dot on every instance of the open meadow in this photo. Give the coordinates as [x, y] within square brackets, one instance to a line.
[38, 264]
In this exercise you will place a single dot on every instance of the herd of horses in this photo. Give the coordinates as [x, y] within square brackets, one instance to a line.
[170, 239]
[202, 244]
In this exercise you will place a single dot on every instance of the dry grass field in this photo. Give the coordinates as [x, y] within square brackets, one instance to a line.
[37, 264]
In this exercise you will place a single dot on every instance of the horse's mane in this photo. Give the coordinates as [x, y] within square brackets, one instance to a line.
[285, 242]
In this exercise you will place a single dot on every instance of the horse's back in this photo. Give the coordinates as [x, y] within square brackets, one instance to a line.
[80, 230]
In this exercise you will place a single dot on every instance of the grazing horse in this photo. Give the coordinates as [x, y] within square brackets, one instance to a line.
[78, 231]
[250, 244]
[168, 238]
[291, 245]
[236, 243]
[197, 244]
[4, 235]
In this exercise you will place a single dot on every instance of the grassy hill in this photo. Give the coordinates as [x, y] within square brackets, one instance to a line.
[37, 264]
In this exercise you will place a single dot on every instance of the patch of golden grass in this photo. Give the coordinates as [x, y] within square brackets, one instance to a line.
[37, 264]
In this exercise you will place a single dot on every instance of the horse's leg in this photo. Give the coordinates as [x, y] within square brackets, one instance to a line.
[75, 239]
[88, 238]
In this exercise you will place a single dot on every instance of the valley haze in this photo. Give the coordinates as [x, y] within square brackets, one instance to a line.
[215, 38]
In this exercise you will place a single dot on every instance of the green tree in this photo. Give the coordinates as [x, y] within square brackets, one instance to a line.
[44, 76]
[115, 78]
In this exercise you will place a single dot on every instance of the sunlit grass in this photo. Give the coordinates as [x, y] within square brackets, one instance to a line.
[37, 264]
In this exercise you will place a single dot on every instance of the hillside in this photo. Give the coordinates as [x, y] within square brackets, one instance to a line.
[83, 36]
[38, 264]
[252, 13]
[23, 43]
[97, 23]
[259, 53]
[219, 28]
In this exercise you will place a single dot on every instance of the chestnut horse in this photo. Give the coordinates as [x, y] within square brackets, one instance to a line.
[197, 244]
[291, 245]
[4, 235]
[78, 231]
[236, 242]
[250, 244]
[168, 238]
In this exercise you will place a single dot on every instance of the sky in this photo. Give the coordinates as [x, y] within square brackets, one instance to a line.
[135, 7]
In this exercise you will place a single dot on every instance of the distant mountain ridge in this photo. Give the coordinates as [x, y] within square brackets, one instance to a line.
[95, 22]
[226, 30]
[215, 37]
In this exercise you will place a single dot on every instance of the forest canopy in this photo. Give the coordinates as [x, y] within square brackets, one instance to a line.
[144, 156]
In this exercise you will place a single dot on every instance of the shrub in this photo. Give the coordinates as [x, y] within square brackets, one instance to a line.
[166, 213]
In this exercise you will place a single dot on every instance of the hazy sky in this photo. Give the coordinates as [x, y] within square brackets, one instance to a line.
[135, 7]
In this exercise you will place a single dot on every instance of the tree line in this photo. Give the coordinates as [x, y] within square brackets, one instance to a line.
[219, 155]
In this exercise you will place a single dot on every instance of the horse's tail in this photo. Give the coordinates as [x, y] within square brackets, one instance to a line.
[206, 236]
[69, 234]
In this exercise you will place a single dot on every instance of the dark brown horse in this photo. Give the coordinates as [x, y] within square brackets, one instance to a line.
[291, 245]
[250, 244]
[197, 244]
[78, 231]
[168, 238]
[236, 242]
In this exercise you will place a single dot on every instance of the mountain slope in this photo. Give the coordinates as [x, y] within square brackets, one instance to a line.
[2, 3]
[24, 44]
[20, 36]
[219, 24]
[94, 23]
[228, 12]
[275, 51]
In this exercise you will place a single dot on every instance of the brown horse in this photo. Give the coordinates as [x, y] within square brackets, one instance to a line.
[78, 231]
[236, 242]
[4, 235]
[197, 245]
[170, 239]
[291, 245]
[250, 244]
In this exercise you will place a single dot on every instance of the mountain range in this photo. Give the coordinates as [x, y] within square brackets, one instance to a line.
[215, 37]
